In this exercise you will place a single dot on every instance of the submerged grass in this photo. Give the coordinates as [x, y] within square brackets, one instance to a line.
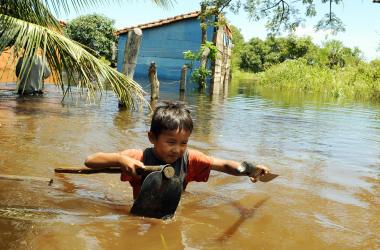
[359, 81]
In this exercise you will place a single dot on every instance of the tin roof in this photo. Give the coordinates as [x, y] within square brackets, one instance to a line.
[161, 22]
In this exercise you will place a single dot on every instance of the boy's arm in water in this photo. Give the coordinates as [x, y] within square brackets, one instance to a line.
[238, 169]
[120, 159]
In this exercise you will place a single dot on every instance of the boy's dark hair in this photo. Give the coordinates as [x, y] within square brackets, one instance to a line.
[171, 116]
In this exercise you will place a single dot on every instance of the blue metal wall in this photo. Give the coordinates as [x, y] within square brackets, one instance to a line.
[165, 46]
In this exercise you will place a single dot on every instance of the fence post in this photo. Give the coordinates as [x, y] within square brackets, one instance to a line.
[182, 83]
[131, 52]
[154, 83]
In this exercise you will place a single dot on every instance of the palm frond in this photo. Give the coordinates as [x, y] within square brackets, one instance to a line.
[77, 5]
[64, 55]
[32, 11]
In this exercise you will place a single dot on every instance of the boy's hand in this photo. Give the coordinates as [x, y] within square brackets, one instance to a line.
[129, 165]
[255, 171]
[260, 170]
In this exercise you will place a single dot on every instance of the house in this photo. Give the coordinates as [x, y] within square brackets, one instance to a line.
[164, 42]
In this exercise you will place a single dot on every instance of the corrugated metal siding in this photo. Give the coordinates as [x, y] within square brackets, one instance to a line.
[165, 46]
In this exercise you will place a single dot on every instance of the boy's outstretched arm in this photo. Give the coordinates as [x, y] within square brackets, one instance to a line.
[120, 159]
[239, 169]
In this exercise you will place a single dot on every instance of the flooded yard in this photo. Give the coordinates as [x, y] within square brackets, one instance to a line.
[326, 151]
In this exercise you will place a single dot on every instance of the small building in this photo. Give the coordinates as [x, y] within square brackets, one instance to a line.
[164, 42]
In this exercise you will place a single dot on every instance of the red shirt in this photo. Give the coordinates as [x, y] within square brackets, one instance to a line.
[198, 168]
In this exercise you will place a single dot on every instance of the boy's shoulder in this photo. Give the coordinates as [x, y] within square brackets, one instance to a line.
[134, 153]
[196, 155]
[194, 151]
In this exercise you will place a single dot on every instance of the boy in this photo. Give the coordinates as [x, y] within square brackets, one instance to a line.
[169, 133]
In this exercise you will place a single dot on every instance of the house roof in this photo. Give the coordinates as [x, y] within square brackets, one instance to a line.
[161, 22]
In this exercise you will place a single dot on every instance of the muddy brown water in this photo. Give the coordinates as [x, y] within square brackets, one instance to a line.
[327, 152]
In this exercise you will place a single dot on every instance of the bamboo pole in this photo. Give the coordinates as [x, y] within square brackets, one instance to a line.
[154, 83]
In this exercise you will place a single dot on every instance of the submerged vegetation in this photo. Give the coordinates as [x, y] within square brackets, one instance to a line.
[293, 63]
[359, 81]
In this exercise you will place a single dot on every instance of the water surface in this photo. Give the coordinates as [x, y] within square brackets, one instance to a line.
[327, 152]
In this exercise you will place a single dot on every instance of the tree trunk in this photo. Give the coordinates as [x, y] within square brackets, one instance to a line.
[214, 38]
[131, 52]
[203, 23]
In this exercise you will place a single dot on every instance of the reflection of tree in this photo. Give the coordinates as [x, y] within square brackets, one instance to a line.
[203, 117]
[123, 120]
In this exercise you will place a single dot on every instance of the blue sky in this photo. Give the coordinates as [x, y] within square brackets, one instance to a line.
[361, 19]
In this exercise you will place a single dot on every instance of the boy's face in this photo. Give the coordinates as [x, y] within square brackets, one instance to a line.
[170, 144]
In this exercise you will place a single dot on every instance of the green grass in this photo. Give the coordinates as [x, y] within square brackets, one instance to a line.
[359, 81]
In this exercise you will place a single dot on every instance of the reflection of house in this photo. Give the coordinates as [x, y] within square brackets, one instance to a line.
[164, 42]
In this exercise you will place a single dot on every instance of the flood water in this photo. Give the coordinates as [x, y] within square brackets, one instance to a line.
[326, 151]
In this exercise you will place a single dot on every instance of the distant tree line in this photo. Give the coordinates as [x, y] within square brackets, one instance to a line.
[258, 55]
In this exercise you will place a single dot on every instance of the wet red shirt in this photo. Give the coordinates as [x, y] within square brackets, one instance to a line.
[198, 168]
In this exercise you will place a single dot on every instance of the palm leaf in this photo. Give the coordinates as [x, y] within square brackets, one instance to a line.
[77, 5]
[32, 11]
[64, 55]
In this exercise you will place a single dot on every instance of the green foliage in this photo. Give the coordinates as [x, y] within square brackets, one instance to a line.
[95, 31]
[238, 42]
[358, 81]
[258, 55]
[199, 75]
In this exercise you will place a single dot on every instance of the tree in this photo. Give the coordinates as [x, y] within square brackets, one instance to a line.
[94, 31]
[282, 14]
[28, 27]
[238, 42]
[258, 55]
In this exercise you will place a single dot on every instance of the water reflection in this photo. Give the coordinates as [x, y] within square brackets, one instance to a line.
[327, 152]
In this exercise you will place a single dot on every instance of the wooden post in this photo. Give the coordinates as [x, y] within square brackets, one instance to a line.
[113, 57]
[182, 96]
[182, 83]
[154, 83]
[131, 52]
